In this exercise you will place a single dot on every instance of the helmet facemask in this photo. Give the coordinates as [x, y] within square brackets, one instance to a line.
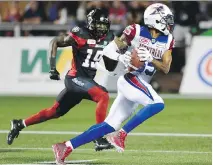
[168, 21]
[98, 24]
[101, 29]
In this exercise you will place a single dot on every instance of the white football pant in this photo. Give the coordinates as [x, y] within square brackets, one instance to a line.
[131, 92]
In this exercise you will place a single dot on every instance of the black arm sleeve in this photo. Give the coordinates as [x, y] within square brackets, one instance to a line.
[109, 63]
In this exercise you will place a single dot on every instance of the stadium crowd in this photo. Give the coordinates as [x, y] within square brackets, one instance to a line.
[121, 13]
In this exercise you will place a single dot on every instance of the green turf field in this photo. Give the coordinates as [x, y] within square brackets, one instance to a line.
[180, 116]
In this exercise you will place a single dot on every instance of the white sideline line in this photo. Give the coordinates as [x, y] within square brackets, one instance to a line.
[176, 96]
[72, 162]
[131, 134]
[86, 150]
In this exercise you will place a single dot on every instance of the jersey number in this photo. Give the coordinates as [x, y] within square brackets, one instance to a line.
[150, 69]
[128, 30]
[91, 62]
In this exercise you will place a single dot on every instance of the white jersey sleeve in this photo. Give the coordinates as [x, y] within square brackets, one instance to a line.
[131, 32]
[171, 42]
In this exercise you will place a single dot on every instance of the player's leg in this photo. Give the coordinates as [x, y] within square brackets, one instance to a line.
[90, 90]
[119, 112]
[145, 95]
[100, 95]
[140, 92]
[64, 102]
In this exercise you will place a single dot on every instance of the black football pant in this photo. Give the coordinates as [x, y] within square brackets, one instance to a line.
[79, 88]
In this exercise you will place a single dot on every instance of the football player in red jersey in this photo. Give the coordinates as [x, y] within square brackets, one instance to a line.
[87, 45]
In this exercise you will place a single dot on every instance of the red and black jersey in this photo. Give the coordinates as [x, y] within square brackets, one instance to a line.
[86, 52]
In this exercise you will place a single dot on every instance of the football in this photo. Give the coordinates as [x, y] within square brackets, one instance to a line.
[135, 61]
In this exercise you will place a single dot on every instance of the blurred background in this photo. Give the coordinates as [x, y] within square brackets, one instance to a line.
[27, 27]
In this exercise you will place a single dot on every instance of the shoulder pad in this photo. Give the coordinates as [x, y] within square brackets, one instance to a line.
[76, 29]
[131, 31]
[76, 34]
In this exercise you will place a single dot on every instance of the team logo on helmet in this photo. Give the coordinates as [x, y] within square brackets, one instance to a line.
[158, 10]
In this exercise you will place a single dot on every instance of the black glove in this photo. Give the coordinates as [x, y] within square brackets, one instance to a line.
[54, 74]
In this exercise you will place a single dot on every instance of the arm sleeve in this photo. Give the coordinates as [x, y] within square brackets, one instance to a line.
[110, 64]
[171, 42]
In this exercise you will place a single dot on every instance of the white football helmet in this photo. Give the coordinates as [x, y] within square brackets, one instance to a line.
[160, 17]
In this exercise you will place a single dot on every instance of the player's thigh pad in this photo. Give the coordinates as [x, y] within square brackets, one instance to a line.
[86, 87]
[121, 109]
[137, 90]
[66, 100]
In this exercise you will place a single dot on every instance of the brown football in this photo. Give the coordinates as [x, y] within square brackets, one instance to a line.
[135, 61]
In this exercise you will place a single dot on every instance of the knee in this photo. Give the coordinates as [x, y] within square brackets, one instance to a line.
[159, 103]
[98, 94]
[103, 97]
[160, 106]
[158, 100]
[149, 111]
[58, 111]
[156, 108]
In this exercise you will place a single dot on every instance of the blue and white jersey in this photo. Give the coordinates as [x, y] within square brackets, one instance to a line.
[139, 36]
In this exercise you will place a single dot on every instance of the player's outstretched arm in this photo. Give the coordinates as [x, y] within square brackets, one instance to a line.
[165, 64]
[59, 41]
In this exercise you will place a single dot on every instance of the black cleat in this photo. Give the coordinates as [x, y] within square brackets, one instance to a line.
[16, 127]
[102, 144]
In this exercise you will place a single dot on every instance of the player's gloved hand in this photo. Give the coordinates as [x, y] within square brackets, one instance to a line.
[125, 58]
[144, 55]
[54, 74]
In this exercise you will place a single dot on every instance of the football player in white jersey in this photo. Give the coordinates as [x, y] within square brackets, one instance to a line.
[154, 43]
